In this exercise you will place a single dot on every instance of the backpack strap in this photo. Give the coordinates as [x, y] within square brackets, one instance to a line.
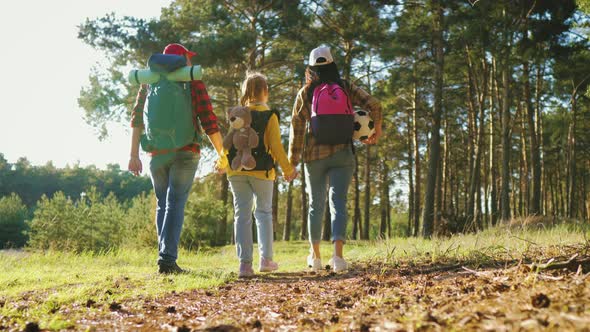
[275, 112]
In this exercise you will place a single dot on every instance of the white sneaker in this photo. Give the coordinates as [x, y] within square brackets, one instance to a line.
[314, 263]
[338, 264]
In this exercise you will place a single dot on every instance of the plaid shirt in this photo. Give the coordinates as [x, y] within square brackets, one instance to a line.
[302, 115]
[202, 110]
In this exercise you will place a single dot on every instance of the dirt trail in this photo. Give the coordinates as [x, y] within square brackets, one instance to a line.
[504, 296]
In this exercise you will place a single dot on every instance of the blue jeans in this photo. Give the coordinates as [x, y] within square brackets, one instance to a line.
[245, 190]
[172, 180]
[333, 173]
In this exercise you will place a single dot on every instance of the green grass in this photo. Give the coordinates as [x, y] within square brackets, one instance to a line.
[33, 285]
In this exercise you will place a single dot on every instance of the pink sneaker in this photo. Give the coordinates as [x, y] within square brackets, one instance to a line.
[245, 270]
[267, 265]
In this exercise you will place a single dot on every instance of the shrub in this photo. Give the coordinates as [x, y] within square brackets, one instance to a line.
[202, 217]
[93, 223]
[13, 213]
[140, 222]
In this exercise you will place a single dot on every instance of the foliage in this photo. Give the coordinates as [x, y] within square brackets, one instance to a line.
[91, 223]
[12, 222]
[140, 228]
[202, 216]
[31, 182]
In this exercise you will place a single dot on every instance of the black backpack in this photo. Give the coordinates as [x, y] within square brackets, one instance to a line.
[264, 161]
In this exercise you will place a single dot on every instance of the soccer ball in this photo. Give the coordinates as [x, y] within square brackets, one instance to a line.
[363, 126]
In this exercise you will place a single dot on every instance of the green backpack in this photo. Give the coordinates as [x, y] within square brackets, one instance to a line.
[169, 123]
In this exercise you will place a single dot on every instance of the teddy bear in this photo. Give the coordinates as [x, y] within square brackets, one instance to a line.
[242, 137]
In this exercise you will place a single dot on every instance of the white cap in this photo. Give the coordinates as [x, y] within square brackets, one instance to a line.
[320, 52]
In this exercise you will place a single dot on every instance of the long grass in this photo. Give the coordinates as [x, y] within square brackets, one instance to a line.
[34, 285]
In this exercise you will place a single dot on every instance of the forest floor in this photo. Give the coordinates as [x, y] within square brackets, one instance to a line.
[499, 280]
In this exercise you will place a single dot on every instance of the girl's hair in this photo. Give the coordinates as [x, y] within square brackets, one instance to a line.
[316, 75]
[253, 87]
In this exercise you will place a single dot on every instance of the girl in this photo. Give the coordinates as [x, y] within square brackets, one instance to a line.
[327, 164]
[257, 184]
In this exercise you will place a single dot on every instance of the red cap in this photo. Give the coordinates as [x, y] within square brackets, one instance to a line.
[178, 50]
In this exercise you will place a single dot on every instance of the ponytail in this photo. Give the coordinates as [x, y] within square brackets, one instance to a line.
[253, 87]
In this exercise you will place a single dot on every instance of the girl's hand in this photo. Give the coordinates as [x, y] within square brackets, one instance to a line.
[135, 166]
[221, 165]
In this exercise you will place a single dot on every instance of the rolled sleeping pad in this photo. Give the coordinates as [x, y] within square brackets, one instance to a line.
[184, 74]
[143, 76]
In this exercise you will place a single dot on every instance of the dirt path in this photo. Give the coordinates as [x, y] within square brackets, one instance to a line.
[504, 297]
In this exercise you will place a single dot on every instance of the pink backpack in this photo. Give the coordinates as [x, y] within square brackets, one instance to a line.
[332, 118]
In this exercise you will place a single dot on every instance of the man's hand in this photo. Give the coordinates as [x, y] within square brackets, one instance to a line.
[135, 166]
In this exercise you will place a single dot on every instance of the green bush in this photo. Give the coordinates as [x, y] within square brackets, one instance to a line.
[92, 223]
[202, 217]
[96, 223]
[140, 222]
[13, 213]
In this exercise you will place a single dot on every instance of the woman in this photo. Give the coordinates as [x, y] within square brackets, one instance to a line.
[327, 166]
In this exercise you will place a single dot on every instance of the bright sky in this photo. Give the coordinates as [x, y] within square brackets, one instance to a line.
[44, 65]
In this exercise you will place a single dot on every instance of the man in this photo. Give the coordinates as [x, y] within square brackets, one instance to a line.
[172, 171]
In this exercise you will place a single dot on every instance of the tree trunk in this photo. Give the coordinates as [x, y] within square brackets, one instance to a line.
[428, 218]
[438, 198]
[288, 213]
[524, 166]
[540, 139]
[553, 196]
[417, 162]
[357, 222]
[445, 168]
[481, 89]
[572, 203]
[505, 193]
[367, 192]
[535, 156]
[492, 154]
[384, 199]
[410, 177]
[471, 144]
[560, 193]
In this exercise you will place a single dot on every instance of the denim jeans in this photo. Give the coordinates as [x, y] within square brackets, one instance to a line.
[333, 173]
[172, 180]
[245, 190]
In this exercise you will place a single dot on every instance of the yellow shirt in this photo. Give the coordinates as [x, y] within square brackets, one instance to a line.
[272, 139]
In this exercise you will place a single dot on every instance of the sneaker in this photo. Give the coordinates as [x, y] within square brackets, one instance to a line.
[245, 270]
[267, 265]
[314, 263]
[338, 264]
[170, 269]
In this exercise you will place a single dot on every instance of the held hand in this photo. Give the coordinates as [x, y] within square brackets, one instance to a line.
[135, 166]
[221, 165]
[220, 170]
[292, 177]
